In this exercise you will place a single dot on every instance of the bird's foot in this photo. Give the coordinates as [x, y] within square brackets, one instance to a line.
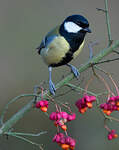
[52, 87]
[74, 70]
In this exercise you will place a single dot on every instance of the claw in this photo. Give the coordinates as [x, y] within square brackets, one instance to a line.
[74, 70]
[52, 87]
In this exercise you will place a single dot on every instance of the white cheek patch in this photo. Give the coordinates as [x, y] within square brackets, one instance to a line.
[71, 27]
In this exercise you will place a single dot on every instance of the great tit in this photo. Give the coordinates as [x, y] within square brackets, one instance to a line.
[64, 43]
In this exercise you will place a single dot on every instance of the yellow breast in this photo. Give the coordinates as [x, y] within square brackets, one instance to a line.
[79, 50]
[55, 51]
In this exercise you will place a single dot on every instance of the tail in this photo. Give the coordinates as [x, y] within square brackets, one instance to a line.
[39, 48]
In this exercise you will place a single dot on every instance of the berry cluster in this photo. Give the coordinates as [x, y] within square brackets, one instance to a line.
[66, 142]
[111, 105]
[60, 118]
[112, 135]
[42, 104]
[84, 103]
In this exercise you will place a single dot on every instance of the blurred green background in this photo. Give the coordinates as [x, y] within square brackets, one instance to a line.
[23, 23]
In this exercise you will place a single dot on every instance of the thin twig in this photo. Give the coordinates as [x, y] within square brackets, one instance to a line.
[106, 61]
[106, 11]
[105, 83]
[90, 46]
[100, 9]
[80, 89]
[108, 23]
[26, 134]
[115, 51]
[29, 141]
[12, 101]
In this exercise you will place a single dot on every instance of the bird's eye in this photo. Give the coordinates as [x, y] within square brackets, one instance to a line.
[83, 24]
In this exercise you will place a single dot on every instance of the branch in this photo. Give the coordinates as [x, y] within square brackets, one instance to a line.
[12, 101]
[108, 23]
[106, 61]
[8, 124]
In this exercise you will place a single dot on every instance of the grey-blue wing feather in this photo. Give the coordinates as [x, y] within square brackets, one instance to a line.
[49, 38]
[45, 42]
[42, 45]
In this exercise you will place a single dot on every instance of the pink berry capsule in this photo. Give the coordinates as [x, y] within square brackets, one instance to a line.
[37, 104]
[102, 105]
[71, 117]
[53, 116]
[87, 98]
[61, 135]
[92, 98]
[110, 137]
[68, 139]
[112, 98]
[113, 131]
[116, 97]
[58, 115]
[72, 143]
[64, 115]
[42, 103]
[57, 139]
[45, 102]
[62, 140]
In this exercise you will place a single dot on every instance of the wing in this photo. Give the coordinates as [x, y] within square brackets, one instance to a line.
[48, 39]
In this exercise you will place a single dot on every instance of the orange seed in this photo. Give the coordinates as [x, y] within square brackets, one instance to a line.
[89, 104]
[44, 109]
[65, 146]
[64, 127]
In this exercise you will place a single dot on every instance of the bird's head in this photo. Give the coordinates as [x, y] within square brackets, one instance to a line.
[75, 25]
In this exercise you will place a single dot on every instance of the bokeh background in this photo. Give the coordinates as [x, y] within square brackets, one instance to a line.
[23, 23]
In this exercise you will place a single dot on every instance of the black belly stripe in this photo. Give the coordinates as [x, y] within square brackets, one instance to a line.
[68, 57]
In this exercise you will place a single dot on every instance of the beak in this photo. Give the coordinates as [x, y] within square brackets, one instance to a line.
[88, 30]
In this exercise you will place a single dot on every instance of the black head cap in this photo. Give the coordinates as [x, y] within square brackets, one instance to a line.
[80, 21]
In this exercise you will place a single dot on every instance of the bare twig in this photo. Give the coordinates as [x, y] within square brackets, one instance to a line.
[106, 61]
[12, 101]
[108, 23]
[28, 141]
[106, 11]
[90, 46]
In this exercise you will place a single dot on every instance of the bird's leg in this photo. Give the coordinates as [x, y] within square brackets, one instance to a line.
[51, 84]
[74, 70]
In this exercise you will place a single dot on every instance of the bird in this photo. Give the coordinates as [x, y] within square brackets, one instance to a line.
[63, 43]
